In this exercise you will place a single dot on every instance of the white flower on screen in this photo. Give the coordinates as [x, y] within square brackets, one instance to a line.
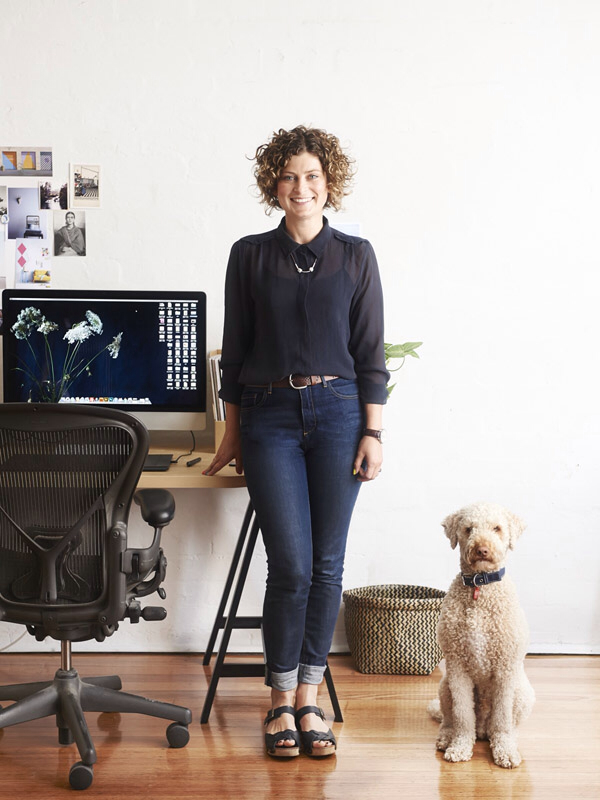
[78, 333]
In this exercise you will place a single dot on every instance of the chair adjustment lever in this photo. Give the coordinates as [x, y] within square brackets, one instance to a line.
[150, 613]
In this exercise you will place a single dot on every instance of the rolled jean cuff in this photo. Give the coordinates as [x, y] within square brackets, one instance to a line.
[281, 681]
[308, 673]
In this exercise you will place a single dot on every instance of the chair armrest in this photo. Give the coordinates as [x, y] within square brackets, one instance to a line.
[157, 506]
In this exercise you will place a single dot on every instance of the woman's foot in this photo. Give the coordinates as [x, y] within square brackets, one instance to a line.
[306, 695]
[280, 721]
[315, 743]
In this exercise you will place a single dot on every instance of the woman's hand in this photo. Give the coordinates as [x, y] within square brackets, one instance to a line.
[231, 446]
[369, 458]
[230, 450]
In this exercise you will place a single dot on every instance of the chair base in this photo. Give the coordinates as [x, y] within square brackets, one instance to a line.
[68, 697]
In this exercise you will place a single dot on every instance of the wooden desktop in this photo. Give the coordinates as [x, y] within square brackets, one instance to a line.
[180, 476]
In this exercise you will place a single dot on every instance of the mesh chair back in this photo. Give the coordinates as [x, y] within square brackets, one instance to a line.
[67, 476]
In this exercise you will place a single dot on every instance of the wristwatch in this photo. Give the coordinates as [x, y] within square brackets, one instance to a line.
[379, 435]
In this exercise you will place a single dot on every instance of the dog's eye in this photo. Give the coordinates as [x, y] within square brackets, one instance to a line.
[469, 529]
[497, 529]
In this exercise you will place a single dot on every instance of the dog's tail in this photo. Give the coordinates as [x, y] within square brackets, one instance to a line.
[434, 709]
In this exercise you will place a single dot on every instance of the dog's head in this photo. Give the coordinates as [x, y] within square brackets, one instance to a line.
[484, 533]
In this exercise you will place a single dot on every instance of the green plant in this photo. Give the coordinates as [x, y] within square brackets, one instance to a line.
[49, 381]
[398, 352]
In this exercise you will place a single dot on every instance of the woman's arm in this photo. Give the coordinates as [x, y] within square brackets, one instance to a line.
[369, 456]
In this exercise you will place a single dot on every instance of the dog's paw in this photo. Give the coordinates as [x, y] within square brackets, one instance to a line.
[505, 753]
[444, 738]
[460, 749]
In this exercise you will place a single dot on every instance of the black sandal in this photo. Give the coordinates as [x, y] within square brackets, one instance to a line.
[310, 737]
[272, 739]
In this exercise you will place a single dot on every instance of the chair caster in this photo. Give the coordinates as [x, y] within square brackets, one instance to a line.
[81, 775]
[178, 734]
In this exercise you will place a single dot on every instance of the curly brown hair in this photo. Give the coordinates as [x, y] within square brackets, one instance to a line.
[272, 157]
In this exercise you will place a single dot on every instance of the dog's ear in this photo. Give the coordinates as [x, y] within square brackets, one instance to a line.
[451, 526]
[516, 526]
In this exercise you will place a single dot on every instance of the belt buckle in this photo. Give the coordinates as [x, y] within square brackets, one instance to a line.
[293, 385]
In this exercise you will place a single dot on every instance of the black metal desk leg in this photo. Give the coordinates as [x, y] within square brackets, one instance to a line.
[228, 584]
[337, 711]
[230, 622]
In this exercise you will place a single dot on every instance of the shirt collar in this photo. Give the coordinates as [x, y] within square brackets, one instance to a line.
[316, 247]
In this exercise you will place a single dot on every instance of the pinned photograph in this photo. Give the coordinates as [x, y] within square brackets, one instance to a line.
[84, 186]
[25, 220]
[69, 233]
[19, 161]
[3, 200]
[32, 263]
[53, 195]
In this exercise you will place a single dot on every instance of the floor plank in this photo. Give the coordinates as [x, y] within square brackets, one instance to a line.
[386, 743]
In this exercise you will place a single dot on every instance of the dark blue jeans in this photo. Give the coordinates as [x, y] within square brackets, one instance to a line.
[298, 448]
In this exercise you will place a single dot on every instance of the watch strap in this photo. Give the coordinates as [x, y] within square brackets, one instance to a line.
[376, 434]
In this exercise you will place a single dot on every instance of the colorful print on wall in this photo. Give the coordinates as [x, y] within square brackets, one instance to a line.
[32, 263]
[18, 162]
[84, 186]
[69, 233]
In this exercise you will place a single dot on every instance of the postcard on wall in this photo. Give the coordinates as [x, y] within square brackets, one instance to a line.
[32, 263]
[16, 162]
[25, 220]
[3, 200]
[84, 186]
[69, 233]
[53, 195]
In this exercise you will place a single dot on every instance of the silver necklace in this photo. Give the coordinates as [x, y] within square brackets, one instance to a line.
[310, 269]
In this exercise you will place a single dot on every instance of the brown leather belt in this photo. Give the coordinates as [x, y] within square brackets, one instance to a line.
[301, 381]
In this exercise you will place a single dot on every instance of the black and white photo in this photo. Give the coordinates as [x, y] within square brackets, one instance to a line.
[69, 233]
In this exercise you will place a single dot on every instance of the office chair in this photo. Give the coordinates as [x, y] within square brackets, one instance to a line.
[67, 477]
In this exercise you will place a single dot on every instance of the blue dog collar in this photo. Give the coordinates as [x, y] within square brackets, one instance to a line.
[483, 578]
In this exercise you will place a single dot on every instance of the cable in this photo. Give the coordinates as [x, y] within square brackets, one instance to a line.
[10, 644]
[175, 460]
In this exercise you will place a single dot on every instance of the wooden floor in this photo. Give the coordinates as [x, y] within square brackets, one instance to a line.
[386, 743]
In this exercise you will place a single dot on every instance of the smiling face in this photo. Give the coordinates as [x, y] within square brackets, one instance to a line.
[302, 190]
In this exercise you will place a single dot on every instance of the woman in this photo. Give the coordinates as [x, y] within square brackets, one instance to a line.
[304, 382]
[69, 240]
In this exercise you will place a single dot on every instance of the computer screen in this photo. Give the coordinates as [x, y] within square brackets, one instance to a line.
[143, 352]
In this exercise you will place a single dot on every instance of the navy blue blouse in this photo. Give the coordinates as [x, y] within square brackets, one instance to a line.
[279, 321]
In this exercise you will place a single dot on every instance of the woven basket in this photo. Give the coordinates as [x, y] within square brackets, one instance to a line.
[391, 628]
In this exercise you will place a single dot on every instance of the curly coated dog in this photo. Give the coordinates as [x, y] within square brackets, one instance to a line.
[483, 634]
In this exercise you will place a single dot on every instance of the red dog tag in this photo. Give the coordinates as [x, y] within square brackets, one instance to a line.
[476, 592]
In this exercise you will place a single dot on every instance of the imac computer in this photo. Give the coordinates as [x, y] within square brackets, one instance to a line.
[143, 352]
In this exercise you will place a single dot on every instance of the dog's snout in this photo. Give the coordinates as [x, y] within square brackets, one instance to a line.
[483, 552]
